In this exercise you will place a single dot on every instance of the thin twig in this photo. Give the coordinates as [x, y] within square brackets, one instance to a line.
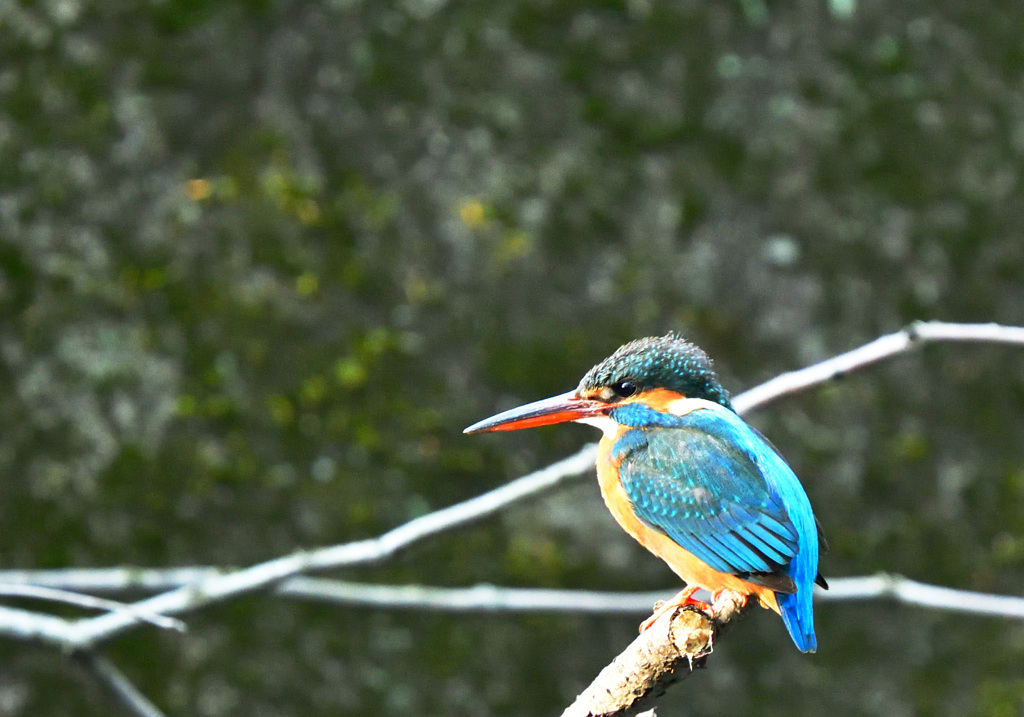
[116, 683]
[38, 592]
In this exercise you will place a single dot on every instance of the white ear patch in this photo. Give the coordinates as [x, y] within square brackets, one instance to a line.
[682, 406]
[609, 427]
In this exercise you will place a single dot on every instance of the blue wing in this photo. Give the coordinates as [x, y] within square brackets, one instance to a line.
[718, 489]
[708, 495]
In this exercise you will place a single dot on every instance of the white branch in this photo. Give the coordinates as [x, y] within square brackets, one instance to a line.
[35, 627]
[38, 592]
[493, 598]
[886, 347]
[479, 598]
[112, 580]
[911, 592]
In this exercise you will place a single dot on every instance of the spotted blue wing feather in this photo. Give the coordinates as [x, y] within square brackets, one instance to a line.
[718, 489]
[707, 496]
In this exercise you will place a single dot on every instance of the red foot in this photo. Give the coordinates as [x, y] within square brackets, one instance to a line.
[683, 597]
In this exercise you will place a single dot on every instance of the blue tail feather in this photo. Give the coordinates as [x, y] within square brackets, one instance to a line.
[798, 614]
[797, 608]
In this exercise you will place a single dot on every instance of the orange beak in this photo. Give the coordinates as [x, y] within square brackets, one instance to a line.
[557, 409]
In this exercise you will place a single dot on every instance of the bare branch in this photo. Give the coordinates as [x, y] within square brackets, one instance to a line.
[911, 592]
[493, 598]
[886, 347]
[38, 592]
[479, 598]
[112, 580]
[116, 683]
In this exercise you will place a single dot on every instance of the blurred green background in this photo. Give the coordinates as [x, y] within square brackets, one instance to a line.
[261, 262]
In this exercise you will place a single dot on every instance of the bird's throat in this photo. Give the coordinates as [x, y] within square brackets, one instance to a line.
[608, 426]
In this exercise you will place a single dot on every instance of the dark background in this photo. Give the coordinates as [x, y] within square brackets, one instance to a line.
[261, 262]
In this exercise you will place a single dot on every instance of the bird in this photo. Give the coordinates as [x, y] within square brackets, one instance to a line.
[690, 480]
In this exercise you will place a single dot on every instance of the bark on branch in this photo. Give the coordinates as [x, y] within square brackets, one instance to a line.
[672, 648]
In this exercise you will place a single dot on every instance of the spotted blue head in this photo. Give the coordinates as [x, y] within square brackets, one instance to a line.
[668, 362]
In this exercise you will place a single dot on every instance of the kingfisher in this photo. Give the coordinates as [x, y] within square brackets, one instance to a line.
[690, 480]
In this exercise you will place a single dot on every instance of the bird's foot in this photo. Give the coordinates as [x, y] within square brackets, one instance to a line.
[683, 598]
[716, 596]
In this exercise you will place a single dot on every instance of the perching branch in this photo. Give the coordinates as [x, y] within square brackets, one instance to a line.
[665, 653]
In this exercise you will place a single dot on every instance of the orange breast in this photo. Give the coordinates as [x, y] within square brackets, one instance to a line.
[690, 568]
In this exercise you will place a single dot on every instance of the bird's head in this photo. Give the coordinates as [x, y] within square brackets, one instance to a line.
[653, 370]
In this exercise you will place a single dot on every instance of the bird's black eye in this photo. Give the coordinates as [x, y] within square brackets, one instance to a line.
[624, 389]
